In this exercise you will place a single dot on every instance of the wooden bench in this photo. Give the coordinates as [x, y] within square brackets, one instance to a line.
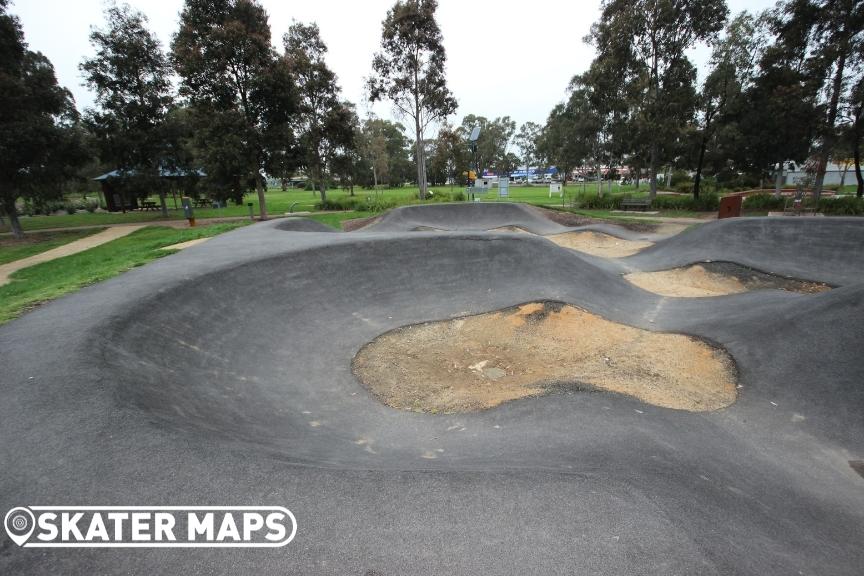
[641, 204]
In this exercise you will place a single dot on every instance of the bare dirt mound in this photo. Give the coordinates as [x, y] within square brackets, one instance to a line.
[478, 362]
[598, 244]
[717, 279]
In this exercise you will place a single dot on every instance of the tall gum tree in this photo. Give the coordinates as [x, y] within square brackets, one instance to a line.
[825, 38]
[649, 39]
[41, 142]
[409, 71]
[241, 95]
[324, 123]
[130, 75]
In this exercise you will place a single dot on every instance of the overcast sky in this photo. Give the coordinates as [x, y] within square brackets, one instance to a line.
[503, 58]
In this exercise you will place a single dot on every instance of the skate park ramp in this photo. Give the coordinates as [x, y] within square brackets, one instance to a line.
[223, 375]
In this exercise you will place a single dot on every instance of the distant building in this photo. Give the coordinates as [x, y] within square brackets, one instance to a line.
[834, 174]
[534, 173]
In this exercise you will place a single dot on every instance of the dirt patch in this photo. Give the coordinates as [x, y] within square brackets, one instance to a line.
[478, 362]
[428, 229]
[598, 244]
[511, 229]
[718, 279]
[357, 223]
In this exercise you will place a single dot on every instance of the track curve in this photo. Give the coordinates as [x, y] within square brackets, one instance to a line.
[222, 375]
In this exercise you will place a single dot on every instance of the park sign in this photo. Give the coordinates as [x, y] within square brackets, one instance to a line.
[503, 187]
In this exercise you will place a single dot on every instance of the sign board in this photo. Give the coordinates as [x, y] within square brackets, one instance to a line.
[187, 207]
[554, 188]
[503, 187]
[482, 184]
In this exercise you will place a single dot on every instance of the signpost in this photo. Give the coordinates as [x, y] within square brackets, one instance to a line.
[503, 187]
[555, 188]
[187, 210]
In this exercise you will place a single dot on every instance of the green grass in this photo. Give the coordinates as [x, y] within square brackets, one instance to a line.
[335, 219]
[32, 244]
[279, 202]
[49, 280]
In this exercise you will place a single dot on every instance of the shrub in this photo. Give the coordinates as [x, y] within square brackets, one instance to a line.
[840, 206]
[684, 187]
[680, 177]
[762, 202]
[367, 204]
[91, 206]
[707, 202]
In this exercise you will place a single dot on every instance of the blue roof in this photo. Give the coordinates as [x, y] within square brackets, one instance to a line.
[163, 173]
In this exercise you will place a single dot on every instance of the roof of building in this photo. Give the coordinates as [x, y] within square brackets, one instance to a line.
[163, 173]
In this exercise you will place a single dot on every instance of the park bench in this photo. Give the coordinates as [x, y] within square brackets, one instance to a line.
[641, 204]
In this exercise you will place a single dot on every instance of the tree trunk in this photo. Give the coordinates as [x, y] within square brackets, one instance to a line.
[778, 179]
[418, 155]
[163, 203]
[12, 211]
[856, 152]
[599, 182]
[698, 178]
[828, 138]
[652, 172]
[322, 189]
[262, 202]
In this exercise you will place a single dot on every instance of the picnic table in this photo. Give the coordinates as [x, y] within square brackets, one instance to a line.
[149, 205]
[202, 203]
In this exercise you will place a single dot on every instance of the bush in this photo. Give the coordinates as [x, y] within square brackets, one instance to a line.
[684, 187]
[367, 204]
[680, 177]
[594, 202]
[763, 202]
[91, 206]
[840, 206]
[707, 202]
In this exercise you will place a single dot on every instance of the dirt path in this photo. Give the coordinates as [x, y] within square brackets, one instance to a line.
[74, 247]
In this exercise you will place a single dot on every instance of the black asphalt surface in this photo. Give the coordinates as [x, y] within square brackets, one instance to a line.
[222, 376]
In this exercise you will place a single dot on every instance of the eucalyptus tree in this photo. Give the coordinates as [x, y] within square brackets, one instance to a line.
[649, 39]
[732, 69]
[824, 39]
[323, 122]
[409, 71]
[131, 77]
[526, 142]
[242, 95]
[41, 142]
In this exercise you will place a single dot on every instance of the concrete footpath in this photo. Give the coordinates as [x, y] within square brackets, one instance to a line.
[74, 247]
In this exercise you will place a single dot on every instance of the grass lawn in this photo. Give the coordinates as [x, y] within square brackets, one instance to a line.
[279, 202]
[32, 244]
[42, 282]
